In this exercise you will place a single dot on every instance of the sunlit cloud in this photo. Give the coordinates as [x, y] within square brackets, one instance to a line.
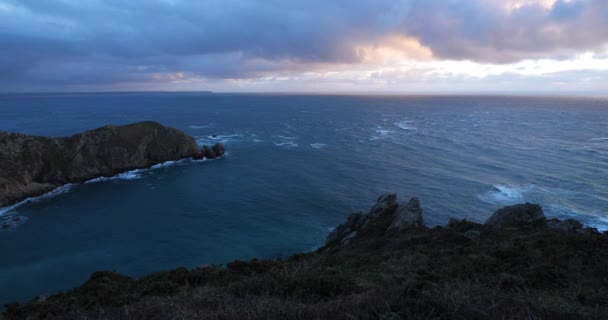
[261, 45]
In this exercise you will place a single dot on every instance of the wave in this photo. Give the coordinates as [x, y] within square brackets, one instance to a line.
[286, 142]
[318, 145]
[11, 222]
[200, 127]
[503, 194]
[128, 175]
[599, 139]
[227, 138]
[556, 202]
[381, 134]
[53, 193]
[593, 219]
[405, 125]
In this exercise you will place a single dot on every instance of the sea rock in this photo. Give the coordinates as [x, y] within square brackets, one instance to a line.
[472, 234]
[385, 216]
[208, 153]
[383, 202]
[33, 165]
[219, 150]
[354, 222]
[407, 215]
[517, 215]
[568, 225]
[349, 237]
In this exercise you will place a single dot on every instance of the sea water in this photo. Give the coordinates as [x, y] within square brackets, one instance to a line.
[297, 166]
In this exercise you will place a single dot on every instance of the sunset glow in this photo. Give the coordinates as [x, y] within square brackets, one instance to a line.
[403, 46]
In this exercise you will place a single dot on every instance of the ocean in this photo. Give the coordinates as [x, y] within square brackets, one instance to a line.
[297, 166]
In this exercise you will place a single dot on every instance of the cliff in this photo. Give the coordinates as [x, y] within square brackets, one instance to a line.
[383, 264]
[34, 165]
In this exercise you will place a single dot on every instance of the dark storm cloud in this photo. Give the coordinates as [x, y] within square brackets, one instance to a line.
[101, 42]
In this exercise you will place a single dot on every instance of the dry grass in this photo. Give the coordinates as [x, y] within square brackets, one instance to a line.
[525, 273]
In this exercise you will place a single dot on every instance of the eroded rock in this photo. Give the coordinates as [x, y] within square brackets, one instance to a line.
[383, 202]
[218, 149]
[407, 215]
[517, 215]
[472, 234]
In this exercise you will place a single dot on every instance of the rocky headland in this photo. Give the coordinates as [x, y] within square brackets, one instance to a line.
[34, 165]
[381, 264]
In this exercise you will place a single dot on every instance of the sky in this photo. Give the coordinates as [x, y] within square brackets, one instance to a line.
[402, 46]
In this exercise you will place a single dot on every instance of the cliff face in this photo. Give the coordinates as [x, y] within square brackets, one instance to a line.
[384, 264]
[33, 165]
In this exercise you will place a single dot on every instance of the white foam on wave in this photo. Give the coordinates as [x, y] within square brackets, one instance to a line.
[556, 202]
[599, 139]
[590, 219]
[287, 142]
[603, 225]
[200, 126]
[128, 175]
[381, 134]
[405, 125]
[50, 194]
[318, 145]
[227, 138]
[503, 194]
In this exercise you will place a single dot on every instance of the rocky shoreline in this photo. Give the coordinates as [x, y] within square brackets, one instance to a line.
[33, 165]
[383, 264]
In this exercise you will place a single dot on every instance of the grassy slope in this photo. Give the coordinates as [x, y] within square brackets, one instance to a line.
[520, 273]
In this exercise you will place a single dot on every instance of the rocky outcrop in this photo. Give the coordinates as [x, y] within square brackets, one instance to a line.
[517, 215]
[383, 202]
[208, 153]
[33, 165]
[384, 217]
[464, 270]
[407, 215]
[218, 149]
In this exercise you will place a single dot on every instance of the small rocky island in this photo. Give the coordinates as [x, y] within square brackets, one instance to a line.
[33, 165]
[382, 264]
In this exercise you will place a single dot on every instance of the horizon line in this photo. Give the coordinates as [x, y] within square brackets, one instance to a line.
[561, 94]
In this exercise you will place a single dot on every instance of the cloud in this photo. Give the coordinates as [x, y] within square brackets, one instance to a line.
[105, 43]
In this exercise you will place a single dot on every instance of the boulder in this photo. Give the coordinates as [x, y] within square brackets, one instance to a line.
[568, 225]
[472, 234]
[517, 215]
[208, 153]
[219, 150]
[355, 222]
[349, 237]
[386, 215]
[408, 215]
[383, 202]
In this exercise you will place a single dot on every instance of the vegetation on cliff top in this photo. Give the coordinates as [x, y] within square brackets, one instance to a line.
[33, 165]
[533, 269]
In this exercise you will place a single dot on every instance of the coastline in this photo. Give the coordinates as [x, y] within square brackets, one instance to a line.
[385, 263]
[120, 176]
[33, 166]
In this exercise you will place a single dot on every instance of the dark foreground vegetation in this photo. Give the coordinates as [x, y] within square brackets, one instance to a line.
[381, 265]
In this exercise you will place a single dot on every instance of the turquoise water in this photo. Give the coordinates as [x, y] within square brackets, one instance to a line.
[297, 166]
